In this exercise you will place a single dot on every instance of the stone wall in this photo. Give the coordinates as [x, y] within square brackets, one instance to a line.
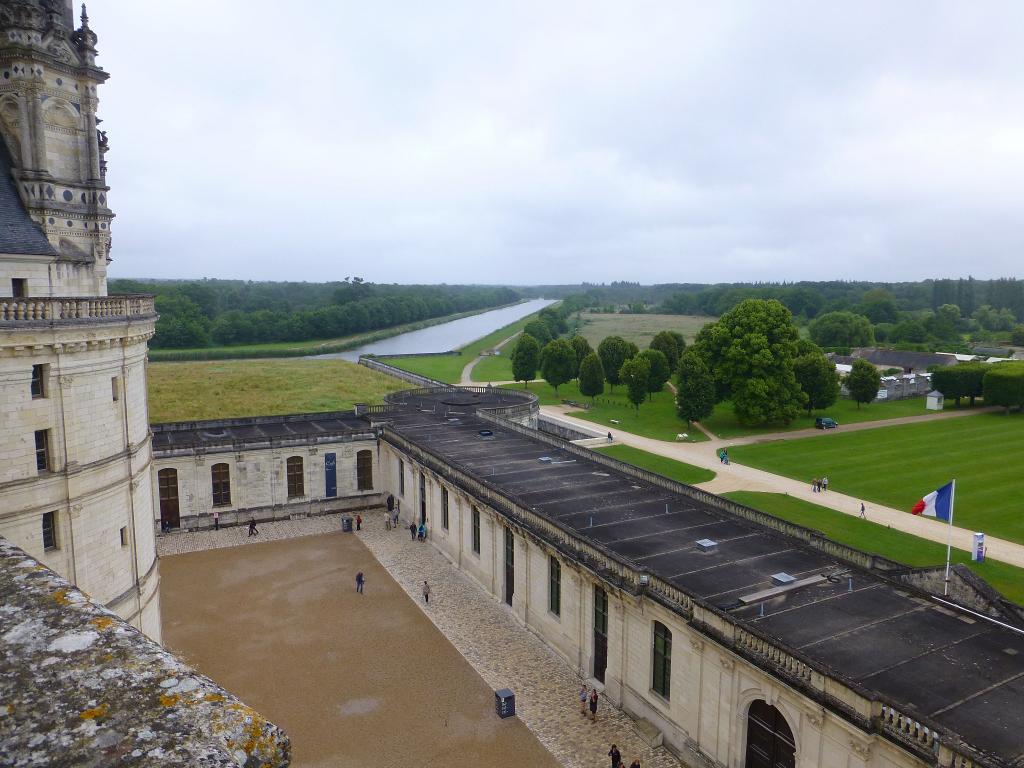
[79, 686]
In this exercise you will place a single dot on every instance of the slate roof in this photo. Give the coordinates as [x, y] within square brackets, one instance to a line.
[19, 234]
[256, 431]
[895, 358]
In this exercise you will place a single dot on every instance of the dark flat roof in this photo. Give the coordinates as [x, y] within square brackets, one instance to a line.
[259, 429]
[965, 674]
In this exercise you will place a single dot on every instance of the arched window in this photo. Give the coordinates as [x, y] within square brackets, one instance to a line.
[167, 483]
[296, 481]
[770, 742]
[220, 474]
[661, 681]
[364, 471]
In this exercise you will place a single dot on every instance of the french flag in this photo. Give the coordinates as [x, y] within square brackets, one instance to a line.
[937, 504]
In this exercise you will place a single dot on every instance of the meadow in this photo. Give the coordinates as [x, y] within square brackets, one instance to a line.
[897, 465]
[639, 329]
[236, 388]
[670, 468]
[879, 539]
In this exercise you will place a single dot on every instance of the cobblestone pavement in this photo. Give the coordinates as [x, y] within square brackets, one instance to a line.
[504, 654]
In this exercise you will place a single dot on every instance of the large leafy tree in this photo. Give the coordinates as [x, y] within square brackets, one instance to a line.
[539, 330]
[614, 351]
[695, 388]
[525, 359]
[582, 348]
[591, 376]
[958, 381]
[634, 374]
[842, 329]
[557, 363]
[818, 378]
[750, 351]
[660, 372]
[671, 344]
[862, 382]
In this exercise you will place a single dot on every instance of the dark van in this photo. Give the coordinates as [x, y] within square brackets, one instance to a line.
[825, 422]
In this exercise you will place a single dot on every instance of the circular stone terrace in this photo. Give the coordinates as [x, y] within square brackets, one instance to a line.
[515, 405]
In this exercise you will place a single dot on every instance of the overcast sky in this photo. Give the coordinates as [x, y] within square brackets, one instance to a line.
[540, 142]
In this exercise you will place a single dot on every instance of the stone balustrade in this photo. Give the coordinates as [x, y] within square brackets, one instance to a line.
[75, 309]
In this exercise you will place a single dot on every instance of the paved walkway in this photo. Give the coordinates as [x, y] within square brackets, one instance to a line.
[733, 477]
[502, 652]
[466, 379]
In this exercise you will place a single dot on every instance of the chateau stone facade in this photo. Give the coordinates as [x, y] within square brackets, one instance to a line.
[75, 465]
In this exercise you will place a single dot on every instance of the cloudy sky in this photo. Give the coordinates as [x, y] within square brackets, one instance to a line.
[540, 142]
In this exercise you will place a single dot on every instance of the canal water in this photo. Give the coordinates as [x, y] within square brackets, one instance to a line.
[445, 336]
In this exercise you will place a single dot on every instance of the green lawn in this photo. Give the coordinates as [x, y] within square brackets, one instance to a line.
[898, 465]
[657, 417]
[723, 423]
[494, 367]
[879, 539]
[234, 388]
[449, 368]
[670, 468]
[639, 329]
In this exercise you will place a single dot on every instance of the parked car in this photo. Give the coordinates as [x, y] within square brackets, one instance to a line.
[825, 422]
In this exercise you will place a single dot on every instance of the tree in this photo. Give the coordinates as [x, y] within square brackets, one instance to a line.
[582, 348]
[910, 331]
[862, 382]
[614, 351]
[1018, 336]
[695, 388]
[878, 306]
[750, 352]
[525, 359]
[943, 324]
[994, 319]
[1004, 385]
[634, 374]
[818, 378]
[842, 329]
[591, 376]
[539, 330]
[958, 381]
[557, 363]
[670, 344]
[659, 371]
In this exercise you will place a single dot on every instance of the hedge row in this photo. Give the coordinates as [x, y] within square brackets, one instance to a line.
[1004, 385]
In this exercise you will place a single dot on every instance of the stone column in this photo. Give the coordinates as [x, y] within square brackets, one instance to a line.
[39, 161]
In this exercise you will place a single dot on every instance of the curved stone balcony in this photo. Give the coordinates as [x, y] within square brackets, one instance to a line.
[57, 310]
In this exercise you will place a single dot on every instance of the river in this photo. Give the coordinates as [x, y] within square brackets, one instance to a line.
[444, 337]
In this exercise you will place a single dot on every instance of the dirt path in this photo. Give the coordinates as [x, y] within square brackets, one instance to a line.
[733, 477]
[467, 372]
[355, 680]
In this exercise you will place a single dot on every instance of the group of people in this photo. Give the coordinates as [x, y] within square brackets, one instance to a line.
[394, 510]
[819, 485]
[616, 757]
[723, 455]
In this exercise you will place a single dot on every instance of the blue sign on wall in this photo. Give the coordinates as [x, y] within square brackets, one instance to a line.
[331, 473]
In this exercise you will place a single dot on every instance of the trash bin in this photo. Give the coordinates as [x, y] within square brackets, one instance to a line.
[504, 703]
[346, 524]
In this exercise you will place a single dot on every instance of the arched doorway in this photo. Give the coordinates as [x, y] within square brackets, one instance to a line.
[770, 742]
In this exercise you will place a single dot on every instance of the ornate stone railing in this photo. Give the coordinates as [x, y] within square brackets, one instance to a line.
[64, 309]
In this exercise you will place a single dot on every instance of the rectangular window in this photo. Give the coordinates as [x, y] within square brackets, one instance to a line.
[476, 530]
[364, 471]
[39, 381]
[220, 476]
[662, 666]
[19, 287]
[444, 508]
[423, 498]
[43, 450]
[49, 530]
[124, 536]
[296, 478]
[401, 478]
[554, 586]
[115, 388]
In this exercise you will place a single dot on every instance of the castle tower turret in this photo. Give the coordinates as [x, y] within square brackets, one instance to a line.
[75, 482]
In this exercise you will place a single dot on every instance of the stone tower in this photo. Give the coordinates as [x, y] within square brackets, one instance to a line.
[75, 481]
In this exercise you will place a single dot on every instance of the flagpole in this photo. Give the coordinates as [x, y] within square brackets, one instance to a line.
[949, 538]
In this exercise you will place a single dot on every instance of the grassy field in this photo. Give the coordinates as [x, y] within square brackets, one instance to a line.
[298, 348]
[880, 540]
[449, 368]
[722, 423]
[234, 388]
[898, 465]
[657, 417]
[639, 329]
[670, 468]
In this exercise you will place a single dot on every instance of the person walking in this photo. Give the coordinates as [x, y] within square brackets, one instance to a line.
[216, 519]
[584, 694]
[824, 483]
[394, 520]
[814, 485]
[593, 705]
[635, 763]
[391, 503]
[359, 522]
[253, 530]
[426, 593]
[360, 580]
[412, 531]
[862, 515]
[616, 756]
[387, 521]
[421, 532]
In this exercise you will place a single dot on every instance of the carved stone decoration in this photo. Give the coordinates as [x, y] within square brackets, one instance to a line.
[861, 749]
[726, 663]
[67, 381]
[816, 718]
[697, 644]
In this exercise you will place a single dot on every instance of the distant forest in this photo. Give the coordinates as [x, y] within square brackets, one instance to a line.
[929, 314]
